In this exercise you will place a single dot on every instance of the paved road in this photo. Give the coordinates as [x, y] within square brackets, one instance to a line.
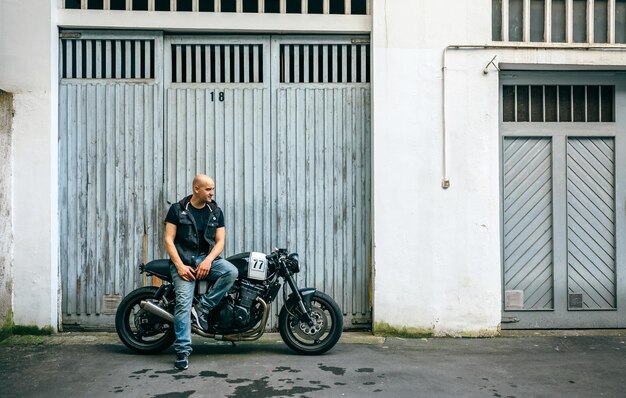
[85, 365]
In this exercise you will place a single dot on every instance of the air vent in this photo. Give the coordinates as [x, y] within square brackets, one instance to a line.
[107, 59]
[547, 103]
[328, 63]
[217, 63]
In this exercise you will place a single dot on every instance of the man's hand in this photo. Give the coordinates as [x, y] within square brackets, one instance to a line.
[186, 272]
[203, 269]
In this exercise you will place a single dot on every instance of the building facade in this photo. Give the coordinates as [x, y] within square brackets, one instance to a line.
[450, 168]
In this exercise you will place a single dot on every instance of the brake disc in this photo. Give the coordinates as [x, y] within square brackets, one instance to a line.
[320, 323]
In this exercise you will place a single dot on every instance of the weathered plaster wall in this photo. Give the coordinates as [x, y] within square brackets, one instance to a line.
[6, 230]
[437, 252]
[28, 53]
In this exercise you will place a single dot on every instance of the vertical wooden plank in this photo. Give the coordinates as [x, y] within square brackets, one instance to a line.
[69, 56]
[590, 21]
[344, 63]
[349, 237]
[296, 63]
[228, 130]
[301, 179]
[87, 195]
[286, 63]
[347, 6]
[338, 203]
[127, 59]
[208, 66]
[98, 65]
[547, 21]
[63, 177]
[110, 188]
[358, 190]
[188, 65]
[148, 60]
[195, 7]
[353, 65]
[363, 65]
[315, 63]
[291, 168]
[137, 181]
[283, 6]
[179, 63]
[329, 188]
[227, 76]
[246, 64]
[198, 63]
[118, 59]
[73, 108]
[304, 6]
[120, 124]
[310, 234]
[281, 164]
[200, 121]
[237, 64]
[367, 181]
[218, 63]
[98, 207]
[325, 63]
[326, 7]
[258, 190]
[255, 64]
[334, 78]
[79, 58]
[305, 67]
[108, 56]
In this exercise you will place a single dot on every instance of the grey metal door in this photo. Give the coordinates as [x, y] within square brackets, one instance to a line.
[563, 186]
[110, 169]
[288, 143]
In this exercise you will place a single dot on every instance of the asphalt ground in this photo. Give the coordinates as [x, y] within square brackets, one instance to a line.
[550, 364]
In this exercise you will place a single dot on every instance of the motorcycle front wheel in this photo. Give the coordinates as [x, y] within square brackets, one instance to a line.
[140, 330]
[311, 339]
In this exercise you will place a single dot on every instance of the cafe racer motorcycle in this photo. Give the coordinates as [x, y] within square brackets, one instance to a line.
[310, 322]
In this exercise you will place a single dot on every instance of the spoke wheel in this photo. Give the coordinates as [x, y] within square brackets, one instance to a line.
[140, 330]
[315, 338]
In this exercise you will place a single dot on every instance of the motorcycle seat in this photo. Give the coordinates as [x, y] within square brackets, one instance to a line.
[160, 268]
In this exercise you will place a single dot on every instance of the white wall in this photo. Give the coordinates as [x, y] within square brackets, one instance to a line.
[28, 55]
[437, 252]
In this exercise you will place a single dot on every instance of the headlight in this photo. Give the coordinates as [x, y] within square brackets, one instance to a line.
[294, 265]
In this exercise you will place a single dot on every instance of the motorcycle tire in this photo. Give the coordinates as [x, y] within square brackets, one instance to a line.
[316, 339]
[140, 330]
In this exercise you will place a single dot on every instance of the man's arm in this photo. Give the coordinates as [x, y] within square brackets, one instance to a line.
[185, 271]
[205, 266]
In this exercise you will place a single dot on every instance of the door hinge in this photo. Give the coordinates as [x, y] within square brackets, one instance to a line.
[510, 319]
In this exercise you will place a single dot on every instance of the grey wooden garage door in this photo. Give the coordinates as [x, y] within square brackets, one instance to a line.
[282, 123]
[563, 180]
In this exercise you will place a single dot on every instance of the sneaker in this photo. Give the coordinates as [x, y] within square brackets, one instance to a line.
[202, 318]
[182, 361]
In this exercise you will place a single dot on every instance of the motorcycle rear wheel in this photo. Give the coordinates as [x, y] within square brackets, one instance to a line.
[312, 340]
[140, 330]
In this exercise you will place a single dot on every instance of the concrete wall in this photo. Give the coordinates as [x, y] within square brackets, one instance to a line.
[28, 53]
[437, 251]
[6, 230]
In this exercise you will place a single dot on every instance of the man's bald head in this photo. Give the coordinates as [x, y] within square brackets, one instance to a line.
[203, 190]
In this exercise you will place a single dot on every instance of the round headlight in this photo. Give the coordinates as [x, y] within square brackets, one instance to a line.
[293, 262]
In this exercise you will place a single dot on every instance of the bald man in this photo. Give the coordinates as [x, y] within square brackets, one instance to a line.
[194, 239]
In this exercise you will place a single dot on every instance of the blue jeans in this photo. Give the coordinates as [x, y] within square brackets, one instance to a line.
[223, 273]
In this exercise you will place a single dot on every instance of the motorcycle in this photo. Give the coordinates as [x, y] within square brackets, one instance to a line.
[310, 322]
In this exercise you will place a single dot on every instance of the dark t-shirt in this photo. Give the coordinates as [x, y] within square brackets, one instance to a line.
[201, 218]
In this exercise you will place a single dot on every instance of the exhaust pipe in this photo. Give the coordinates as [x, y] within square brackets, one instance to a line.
[250, 335]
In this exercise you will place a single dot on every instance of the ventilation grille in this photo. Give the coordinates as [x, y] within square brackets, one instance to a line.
[345, 7]
[329, 63]
[217, 63]
[107, 59]
[523, 103]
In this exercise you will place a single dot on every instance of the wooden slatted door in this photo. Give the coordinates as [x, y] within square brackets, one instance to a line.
[563, 201]
[110, 170]
[283, 125]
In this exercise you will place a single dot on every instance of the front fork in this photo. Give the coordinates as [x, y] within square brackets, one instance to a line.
[303, 299]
